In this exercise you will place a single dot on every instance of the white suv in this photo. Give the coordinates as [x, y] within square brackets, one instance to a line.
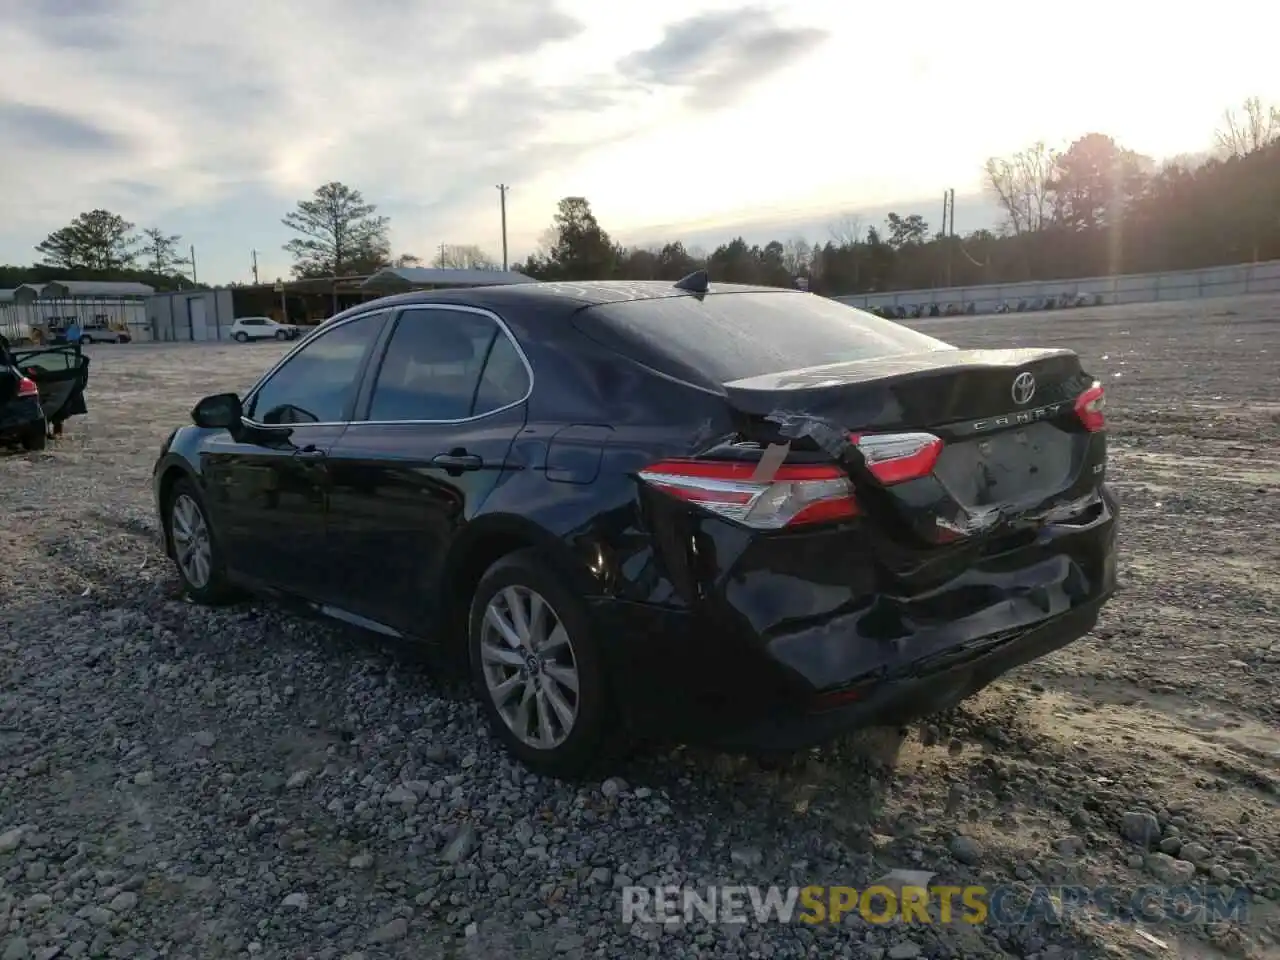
[99, 330]
[261, 328]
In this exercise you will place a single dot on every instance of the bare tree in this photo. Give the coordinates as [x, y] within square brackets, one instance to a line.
[463, 256]
[796, 255]
[1240, 136]
[547, 241]
[847, 230]
[1186, 162]
[1023, 185]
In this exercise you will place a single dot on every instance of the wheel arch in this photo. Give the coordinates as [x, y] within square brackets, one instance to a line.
[170, 474]
[485, 541]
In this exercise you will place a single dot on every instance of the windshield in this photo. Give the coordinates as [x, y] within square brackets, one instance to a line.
[734, 336]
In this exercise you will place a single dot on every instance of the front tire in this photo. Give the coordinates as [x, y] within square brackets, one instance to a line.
[240, 337]
[536, 666]
[282, 335]
[85, 341]
[194, 548]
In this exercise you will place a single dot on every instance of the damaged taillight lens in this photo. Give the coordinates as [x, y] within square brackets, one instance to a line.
[899, 457]
[27, 387]
[1090, 408]
[796, 495]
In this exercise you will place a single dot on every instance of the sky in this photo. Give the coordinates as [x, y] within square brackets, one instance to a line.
[678, 119]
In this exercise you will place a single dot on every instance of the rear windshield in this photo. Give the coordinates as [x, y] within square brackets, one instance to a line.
[733, 336]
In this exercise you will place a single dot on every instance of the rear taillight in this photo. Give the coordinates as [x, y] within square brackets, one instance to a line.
[27, 387]
[899, 457]
[1089, 408]
[796, 495]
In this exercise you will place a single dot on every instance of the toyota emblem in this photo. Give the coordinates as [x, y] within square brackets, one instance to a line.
[1024, 388]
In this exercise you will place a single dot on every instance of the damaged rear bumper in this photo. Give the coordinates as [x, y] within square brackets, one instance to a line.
[923, 689]
[799, 643]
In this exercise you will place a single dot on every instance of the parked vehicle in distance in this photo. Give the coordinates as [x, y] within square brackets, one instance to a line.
[39, 390]
[262, 328]
[98, 331]
[748, 517]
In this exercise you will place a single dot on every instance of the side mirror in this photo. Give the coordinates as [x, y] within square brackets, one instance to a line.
[220, 411]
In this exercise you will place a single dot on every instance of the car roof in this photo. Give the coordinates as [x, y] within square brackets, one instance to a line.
[568, 296]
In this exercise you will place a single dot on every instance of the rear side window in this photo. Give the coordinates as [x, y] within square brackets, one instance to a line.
[437, 366]
[505, 380]
[733, 336]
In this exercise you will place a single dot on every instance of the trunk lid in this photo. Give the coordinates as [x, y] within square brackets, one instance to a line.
[1013, 449]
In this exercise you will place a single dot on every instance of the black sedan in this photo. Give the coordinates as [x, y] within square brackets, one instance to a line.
[39, 390]
[746, 517]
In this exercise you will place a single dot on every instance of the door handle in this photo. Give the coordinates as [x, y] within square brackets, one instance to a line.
[457, 460]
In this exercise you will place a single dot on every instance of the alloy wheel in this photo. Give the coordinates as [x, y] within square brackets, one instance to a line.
[529, 667]
[191, 541]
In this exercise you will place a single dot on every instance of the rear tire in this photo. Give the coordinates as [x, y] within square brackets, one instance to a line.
[36, 438]
[85, 341]
[185, 516]
[240, 337]
[533, 692]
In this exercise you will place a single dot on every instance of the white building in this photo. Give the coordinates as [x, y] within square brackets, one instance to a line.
[42, 306]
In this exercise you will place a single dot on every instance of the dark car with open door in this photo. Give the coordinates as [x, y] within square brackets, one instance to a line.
[743, 516]
[39, 390]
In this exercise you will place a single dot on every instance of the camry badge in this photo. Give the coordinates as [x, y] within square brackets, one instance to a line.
[1024, 388]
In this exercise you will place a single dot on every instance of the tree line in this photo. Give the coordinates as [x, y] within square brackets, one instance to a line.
[338, 233]
[1092, 208]
[101, 245]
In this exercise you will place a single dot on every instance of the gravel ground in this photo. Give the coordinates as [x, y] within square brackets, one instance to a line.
[182, 782]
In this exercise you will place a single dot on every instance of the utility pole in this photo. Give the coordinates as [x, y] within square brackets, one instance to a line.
[255, 267]
[947, 200]
[502, 193]
[441, 261]
[953, 211]
[284, 303]
[193, 264]
[946, 247]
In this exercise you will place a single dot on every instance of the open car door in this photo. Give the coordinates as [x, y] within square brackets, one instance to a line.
[61, 374]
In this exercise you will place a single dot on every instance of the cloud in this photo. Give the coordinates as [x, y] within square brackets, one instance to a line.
[56, 129]
[716, 56]
[157, 108]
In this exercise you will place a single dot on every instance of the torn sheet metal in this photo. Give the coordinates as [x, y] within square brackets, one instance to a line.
[967, 522]
[832, 438]
[1066, 509]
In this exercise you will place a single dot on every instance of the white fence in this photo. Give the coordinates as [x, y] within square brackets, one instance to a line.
[17, 319]
[1233, 281]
